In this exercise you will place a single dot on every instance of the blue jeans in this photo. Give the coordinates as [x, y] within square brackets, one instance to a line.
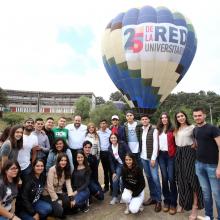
[96, 190]
[116, 180]
[43, 208]
[3, 218]
[169, 188]
[82, 197]
[210, 185]
[152, 179]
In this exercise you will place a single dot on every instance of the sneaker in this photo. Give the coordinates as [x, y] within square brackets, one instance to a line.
[149, 202]
[203, 218]
[141, 208]
[114, 201]
[85, 209]
[157, 207]
[172, 210]
[166, 207]
[126, 210]
[122, 201]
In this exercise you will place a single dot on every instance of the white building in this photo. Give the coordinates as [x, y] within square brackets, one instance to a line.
[48, 102]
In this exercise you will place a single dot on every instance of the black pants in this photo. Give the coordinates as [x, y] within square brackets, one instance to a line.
[74, 153]
[58, 209]
[104, 156]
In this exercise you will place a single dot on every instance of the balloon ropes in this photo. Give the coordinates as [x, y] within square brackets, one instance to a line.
[146, 53]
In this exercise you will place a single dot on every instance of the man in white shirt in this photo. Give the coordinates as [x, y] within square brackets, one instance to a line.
[30, 143]
[76, 135]
[149, 152]
[132, 135]
[104, 134]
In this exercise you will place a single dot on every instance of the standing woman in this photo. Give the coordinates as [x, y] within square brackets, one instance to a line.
[80, 182]
[92, 136]
[9, 189]
[166, 158]
[10, 148]
[58, 177]
[190, 194]
[60, 146]
[30, 205]
[133, 184]
[117, 151]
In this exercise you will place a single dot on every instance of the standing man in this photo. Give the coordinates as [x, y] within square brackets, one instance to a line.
[116, 128]
[60, 131]
[76, 135]
[48, 126]
[30, 143]
[104, 134]
[149, 152]
[43, 141]
[133, 135]
[207, 138]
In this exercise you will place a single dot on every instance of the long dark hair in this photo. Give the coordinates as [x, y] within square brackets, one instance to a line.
[65, 146]
[85, 162]
[15, 143]
[66, 169]
[5, 134]
[160, 125]
[34, 164]
[176, 121]
[6, 167]
[134, 164]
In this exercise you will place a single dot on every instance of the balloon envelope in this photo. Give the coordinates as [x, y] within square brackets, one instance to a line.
[146, 53]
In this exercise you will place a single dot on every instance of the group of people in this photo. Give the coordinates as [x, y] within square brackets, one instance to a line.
[55, 170]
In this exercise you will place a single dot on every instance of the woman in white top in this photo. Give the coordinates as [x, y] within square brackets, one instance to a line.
[117, 151]
[190, 194]
[166, 158]
[92, 136]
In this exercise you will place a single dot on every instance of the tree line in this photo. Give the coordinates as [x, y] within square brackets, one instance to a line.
[210, 101]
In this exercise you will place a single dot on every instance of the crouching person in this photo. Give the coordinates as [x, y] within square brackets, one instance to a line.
[94, 185]
[80, 182]
[30, 204]
[58, 177]
[134, 184]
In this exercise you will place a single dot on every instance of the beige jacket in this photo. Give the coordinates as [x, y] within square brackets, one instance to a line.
[54, 186]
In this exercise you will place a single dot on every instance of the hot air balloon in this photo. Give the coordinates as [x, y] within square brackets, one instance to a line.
[146, 52]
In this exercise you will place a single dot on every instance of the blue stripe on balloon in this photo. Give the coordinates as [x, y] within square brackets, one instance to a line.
[188, 53]
[117, 19]
[132, 86]
[164, 15]
[130, 17]
[147, 14]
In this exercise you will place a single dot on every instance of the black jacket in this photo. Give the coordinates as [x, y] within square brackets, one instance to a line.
[122, 150]
[93, 164]
[31, 191]
[133, 180]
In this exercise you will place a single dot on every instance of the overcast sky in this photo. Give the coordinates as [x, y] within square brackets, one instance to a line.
[56, 45]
